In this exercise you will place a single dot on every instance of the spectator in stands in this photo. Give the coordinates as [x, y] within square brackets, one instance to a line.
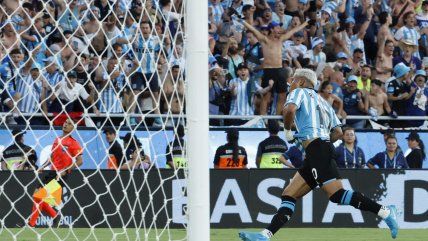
[173, 89]
[134, 153]
[279, 16]
[18, 156]
[112, 87]
[417, 103]
[336, 80]
[231, 155]
[175, 150]
[417, 154]
[271, 148]
[272, 64]
[145, 46]
[219, 94]
[33, 88]
[115, 158]
[384, 65]
[355, 40]
[326, 92]
[69, 12]
[348, 154]
[398, 92]
[353, 103]
[254, 55]
[407, 56]
[390, 158]
[293, 157]
[364, 82]
[64, 97]
[408, 33]
[376, 102]
[316, 55]
[243, 88]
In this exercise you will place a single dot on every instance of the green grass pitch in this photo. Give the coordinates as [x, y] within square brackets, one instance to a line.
[285, 234]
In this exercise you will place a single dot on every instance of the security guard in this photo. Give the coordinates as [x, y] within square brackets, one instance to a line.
[19, 156]
[271, 149]
[231, 155]
[115, 158]
[175, 151]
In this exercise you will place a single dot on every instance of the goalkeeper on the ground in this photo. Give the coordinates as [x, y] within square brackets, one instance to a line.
[66, 155]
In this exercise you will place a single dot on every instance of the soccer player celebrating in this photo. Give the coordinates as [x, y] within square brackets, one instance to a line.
[66, 156]
[318, 127]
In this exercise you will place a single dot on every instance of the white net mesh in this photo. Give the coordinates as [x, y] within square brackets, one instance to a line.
[111, 75]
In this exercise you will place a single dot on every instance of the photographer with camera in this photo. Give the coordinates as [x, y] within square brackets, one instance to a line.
[219, 94]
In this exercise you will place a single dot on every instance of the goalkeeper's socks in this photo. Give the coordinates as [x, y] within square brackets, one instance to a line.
[48, 209]
[283, 215]
[35, 214]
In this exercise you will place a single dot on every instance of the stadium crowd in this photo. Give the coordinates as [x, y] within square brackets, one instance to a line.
[66, 58]
[71, 57]
[369, 56]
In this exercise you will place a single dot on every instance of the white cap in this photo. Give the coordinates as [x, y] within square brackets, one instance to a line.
[307, 74]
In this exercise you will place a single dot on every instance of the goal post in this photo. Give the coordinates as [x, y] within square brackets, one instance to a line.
[129, 78]
[197, 120]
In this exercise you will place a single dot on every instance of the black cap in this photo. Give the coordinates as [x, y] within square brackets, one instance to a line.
[72, 74]
[273, 126]
[241, 66]
[110, 130]
[232, 132]
[18, 132]
[388, 131]
[413, 136]
[131, 138]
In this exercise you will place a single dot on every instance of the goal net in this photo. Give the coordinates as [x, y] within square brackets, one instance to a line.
[93, 120]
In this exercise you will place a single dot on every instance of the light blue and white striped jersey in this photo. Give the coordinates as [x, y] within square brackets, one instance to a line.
[315, 117]
[10, 75]
[239, 104]
[319, 58]
[54, 78]
[286, 20]
[217, 11]
[110, 101]
[353, 43]
[410, 34]
[30, 90]
[128, 33]
[69, 19]
[146, 49]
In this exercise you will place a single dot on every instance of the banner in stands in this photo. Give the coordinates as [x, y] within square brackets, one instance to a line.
[95, 148]
[239, 199]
